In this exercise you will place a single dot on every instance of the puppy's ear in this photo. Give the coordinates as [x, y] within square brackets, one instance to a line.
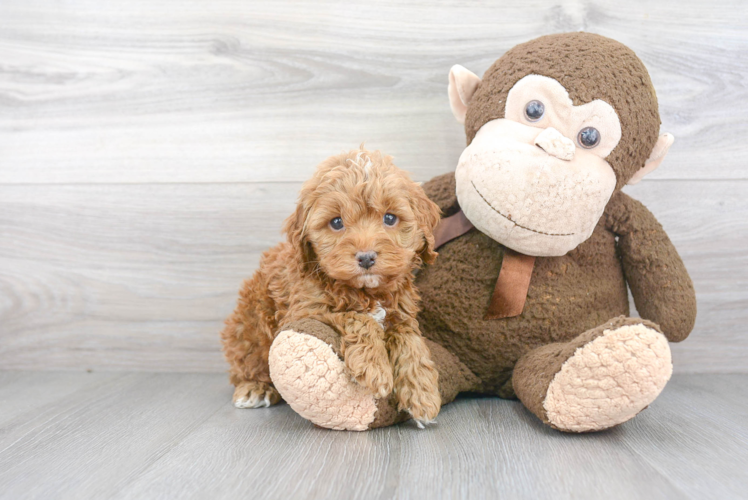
[295, 228]
[428, 216]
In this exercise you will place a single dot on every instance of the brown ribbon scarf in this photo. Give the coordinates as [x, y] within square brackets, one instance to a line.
[511, 288]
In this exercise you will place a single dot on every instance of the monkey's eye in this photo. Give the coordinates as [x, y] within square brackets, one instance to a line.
[336, 224]
[534, 110]
[588, 137]
[390, 219]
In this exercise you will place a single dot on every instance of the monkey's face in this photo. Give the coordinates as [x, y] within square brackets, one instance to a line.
[537, 180]
[547, 152]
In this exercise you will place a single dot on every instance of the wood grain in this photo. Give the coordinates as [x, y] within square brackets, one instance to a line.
[230, 91]
[150, 150]
[94, 441]
[140, 277]
[178, 436]
[23, 393]
[684, 439]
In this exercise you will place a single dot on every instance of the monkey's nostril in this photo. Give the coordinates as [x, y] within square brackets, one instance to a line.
[366, 259]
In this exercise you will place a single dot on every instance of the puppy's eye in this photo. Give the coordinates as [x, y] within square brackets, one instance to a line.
[390, 219]
[588, 137]
[534, 110]
[336, 224]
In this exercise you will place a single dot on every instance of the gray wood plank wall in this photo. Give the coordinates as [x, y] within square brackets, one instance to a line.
[150, 150]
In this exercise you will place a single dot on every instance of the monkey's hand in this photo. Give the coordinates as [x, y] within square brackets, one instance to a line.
[662, 289]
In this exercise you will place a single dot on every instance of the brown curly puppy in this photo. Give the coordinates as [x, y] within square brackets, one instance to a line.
[360, 229]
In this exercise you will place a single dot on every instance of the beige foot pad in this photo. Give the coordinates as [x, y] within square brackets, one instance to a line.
[314, 381]
[609, 380]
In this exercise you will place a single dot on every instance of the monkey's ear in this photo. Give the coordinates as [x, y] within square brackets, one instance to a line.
[658, 154]
[462, 85]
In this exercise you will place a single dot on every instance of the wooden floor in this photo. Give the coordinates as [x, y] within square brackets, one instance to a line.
[141, 435]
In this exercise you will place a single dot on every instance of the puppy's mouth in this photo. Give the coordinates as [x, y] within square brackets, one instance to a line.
[368, 280]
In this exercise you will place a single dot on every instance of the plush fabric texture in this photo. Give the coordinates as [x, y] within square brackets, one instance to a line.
[568, 295]
[524, 197]
[590, 67]
[320, 330]
[307, 369]
[314, 381]
[578, 292]
[561, 112]
[573, 356]
[552, 141]
[536, 370]
[661, 287]
[609, 380]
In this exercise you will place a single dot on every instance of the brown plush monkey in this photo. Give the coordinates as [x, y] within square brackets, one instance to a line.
[528, 296]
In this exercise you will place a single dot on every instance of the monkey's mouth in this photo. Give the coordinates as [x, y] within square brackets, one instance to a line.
[509, 217]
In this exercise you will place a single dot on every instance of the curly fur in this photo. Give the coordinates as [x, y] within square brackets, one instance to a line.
[316, 274]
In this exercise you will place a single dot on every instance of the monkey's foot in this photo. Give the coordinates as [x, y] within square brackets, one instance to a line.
[601, 379]
[307, 370]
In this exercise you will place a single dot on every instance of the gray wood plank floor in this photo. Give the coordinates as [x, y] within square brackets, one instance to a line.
[143, 435]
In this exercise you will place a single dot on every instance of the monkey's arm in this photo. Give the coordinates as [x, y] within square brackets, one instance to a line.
[662, 289]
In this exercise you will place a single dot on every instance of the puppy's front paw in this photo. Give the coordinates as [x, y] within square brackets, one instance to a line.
[365, 354]
[424, 407]
[255, 395]
[417, 391]
[371, 369]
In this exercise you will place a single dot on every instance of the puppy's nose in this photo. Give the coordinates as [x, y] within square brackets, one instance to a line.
[366, 259]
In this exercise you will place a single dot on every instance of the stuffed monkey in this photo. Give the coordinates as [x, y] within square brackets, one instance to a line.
[528, 297]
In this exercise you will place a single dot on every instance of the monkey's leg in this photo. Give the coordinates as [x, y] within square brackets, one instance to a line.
[600, 379]
[246, 341]
[306, 366]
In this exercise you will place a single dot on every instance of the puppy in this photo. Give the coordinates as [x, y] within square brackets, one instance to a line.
[360, 229]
